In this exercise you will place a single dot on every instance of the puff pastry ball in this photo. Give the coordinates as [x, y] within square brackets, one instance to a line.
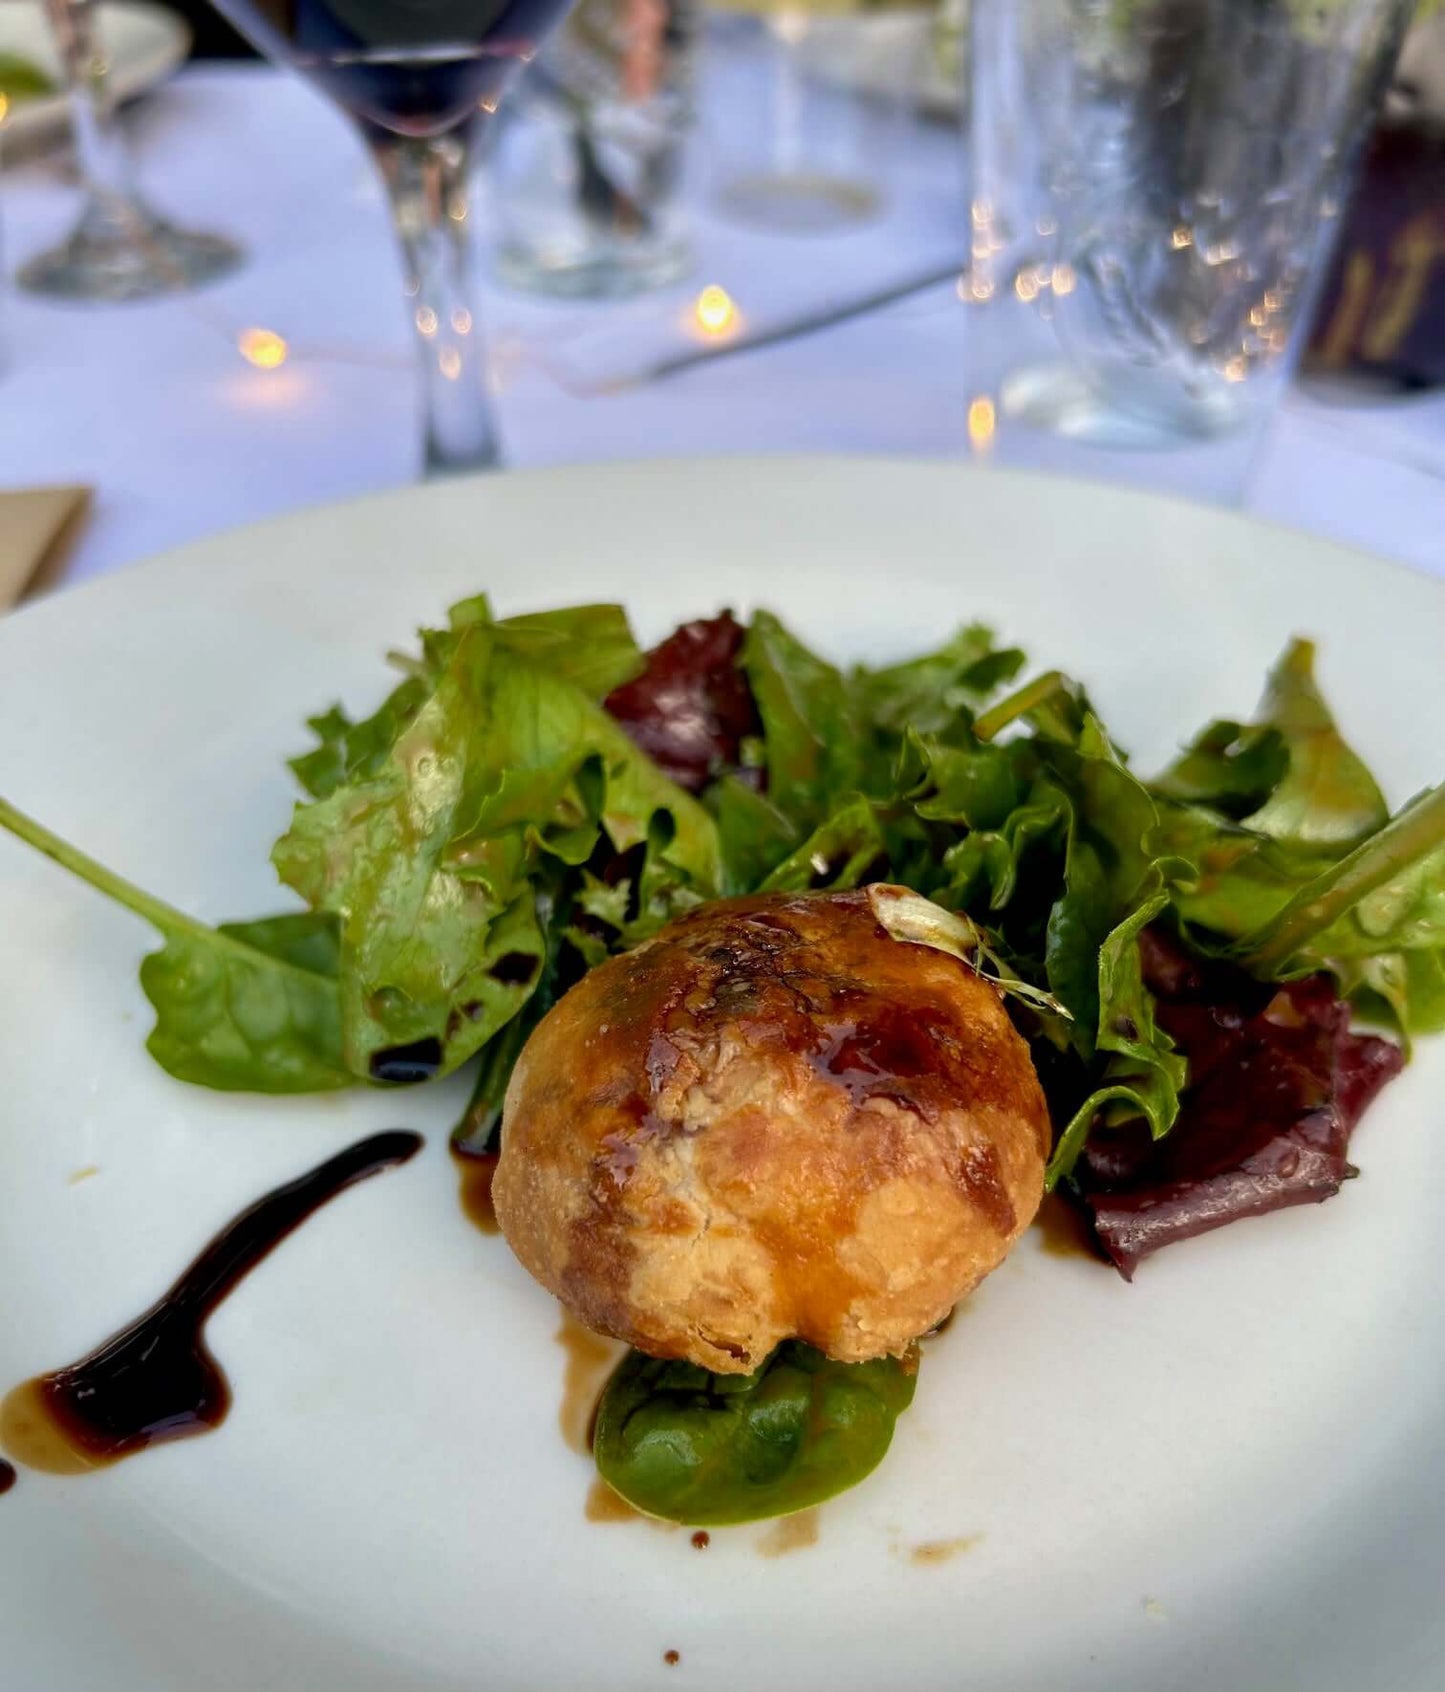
[772, 1120]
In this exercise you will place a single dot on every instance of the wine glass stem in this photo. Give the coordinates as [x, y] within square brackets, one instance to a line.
[100, 146]
[427, 179]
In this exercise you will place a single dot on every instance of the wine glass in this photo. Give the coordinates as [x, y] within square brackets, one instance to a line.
[120, 249]
[420, 78]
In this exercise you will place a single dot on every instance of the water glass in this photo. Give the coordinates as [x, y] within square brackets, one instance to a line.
[586, 167]
[1155, 186]
[830, 97]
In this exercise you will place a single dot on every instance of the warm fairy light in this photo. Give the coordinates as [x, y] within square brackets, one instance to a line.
[1026, 285]
[449, 362]
[1183, 236]
[715, 312]
[426, 321]
[982, 421]
[1236, 368]
[1062, 279]
[262, 347]
[462, 321]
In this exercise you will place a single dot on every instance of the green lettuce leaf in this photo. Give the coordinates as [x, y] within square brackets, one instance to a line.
[812, 733]
[931, 693]
[1230, 766]
[1375, 919]
[589, 645]
[835, 855]
[430, 865]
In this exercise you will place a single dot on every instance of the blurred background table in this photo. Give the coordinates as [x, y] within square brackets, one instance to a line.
[156, 406]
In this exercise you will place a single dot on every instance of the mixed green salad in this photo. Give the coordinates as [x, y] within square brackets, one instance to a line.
[536, 793]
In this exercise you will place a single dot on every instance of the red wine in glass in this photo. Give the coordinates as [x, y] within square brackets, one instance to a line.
[419, 77]
[415, 67]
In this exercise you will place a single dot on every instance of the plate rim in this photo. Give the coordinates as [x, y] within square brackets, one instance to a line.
[1340, 554]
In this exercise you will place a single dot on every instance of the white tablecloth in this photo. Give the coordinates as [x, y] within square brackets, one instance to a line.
[153, 405]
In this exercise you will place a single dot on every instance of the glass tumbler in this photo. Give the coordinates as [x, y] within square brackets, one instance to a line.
[814, 102]
[586, 166]
[1155, 186]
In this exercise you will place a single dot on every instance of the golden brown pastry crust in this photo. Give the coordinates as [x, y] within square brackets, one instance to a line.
[771, 1120]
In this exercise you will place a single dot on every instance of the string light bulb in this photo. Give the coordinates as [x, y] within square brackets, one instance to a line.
[715, 311]
[263, 348]
[982, 423]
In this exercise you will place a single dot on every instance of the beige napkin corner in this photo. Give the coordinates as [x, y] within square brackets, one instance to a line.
[38, 526]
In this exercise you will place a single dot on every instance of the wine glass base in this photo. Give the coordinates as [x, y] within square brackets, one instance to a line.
[135, 261]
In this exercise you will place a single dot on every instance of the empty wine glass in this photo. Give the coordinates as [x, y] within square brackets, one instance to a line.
[420, 78]
[120, 249]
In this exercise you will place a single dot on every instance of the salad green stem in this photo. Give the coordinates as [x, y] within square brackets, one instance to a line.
[1019, 703]
[161, 915]
[1415, 832]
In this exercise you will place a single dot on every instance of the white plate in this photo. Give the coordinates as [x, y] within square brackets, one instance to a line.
[142, 43]
[1225, 1478]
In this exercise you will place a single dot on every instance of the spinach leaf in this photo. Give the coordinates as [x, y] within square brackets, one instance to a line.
[678, 1442]
[249, 1007]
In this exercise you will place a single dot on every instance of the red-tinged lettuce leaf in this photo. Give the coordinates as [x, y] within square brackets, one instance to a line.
[1277, 1083]
[691, 709]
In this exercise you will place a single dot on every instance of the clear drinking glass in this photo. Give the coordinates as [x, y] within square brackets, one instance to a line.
[829, 95]
[120, 249]
[420, 78]
[1155, 183]
[586, 168]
